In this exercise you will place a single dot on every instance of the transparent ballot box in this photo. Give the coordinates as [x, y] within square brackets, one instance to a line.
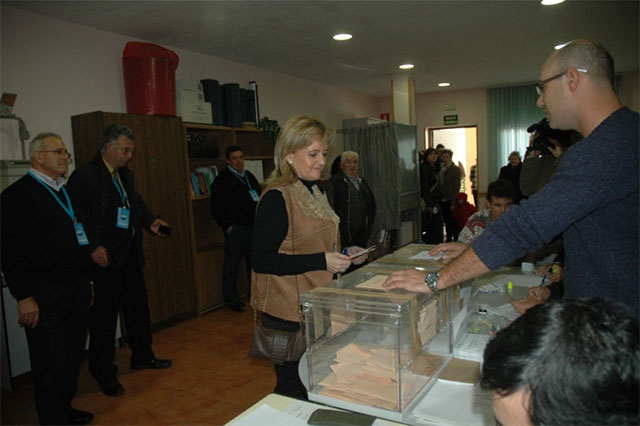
[373, 351]
[417, 256]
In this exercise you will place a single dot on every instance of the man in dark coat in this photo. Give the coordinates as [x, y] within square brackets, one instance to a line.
[353, 201]
[116, 215]
[234, 196]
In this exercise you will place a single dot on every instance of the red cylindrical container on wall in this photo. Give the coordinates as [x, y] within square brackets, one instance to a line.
[149, 78]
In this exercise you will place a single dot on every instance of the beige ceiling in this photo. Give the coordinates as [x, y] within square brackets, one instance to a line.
[470, 44]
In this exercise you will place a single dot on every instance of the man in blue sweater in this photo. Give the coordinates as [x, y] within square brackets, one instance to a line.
[592, 199]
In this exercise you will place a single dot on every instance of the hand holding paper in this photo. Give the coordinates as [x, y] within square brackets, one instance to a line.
[357, 254]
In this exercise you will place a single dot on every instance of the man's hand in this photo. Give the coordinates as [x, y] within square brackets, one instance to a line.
[100, 256]
[449, 250]
[555, 148]
[409, 279]
[155, 227]
[337, 263]
[554, 272]
[28, 312]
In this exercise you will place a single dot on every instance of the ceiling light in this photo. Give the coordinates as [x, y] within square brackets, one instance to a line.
[551, 2]
[406, 66]
[444, 84]
[342, 37]
[560, 46]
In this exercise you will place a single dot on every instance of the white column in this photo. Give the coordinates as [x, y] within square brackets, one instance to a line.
[403, 98]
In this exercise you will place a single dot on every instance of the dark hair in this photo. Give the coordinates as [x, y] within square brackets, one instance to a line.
[112, 133]
[335, 166]
[425, 154]
[439, 146]
[578, 359]
[230, 149]
[447, 151]
[502, 188]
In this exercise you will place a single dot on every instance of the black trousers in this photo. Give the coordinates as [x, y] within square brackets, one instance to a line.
[288, 381]
[115, 289]
[432, 226]
[450, 222]
[56, 345]
[236, 245]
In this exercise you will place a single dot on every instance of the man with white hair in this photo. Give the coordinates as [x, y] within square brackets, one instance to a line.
[44, 264]
[592, 199]
[353, 201]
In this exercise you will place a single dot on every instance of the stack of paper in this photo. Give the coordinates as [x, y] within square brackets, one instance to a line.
[471, 346]
[369, 376]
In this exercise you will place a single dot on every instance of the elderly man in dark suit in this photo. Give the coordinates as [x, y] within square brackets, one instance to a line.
[42, 261]
[116, 214]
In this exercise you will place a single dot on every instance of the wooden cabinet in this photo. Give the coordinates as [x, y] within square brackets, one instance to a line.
[159, 167]
[207, 236]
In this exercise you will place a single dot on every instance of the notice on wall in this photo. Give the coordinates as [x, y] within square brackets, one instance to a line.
[255, 167]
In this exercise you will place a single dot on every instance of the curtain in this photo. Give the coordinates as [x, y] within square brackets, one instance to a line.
[510, 111]
[378, 164]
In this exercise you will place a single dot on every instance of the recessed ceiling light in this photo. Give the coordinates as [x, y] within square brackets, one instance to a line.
[444, 84]
[551, 2]
[406, 66]
[560, 46]
[342, 37]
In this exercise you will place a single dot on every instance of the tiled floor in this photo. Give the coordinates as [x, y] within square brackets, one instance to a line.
[212, 379]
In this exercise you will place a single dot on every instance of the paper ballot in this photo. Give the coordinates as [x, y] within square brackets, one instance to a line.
[424, 255]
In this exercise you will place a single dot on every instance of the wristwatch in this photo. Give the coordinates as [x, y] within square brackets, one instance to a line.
[431, 280]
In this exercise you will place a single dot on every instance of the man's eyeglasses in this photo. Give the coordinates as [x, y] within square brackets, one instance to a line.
[58, 151]
[128, 150]
[540, 85]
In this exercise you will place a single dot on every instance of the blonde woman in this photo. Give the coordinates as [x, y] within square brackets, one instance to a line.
[296, 244]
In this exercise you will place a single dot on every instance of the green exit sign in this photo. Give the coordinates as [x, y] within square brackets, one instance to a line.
[450, 119]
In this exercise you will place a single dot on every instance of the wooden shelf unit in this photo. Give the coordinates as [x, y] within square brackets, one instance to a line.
[159, 159]
[208, 240]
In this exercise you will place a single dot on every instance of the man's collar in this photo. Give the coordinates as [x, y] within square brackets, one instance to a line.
[241, 174]
[53, 183]
[106, 163]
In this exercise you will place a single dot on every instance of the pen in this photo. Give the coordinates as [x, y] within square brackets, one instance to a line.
[544, 280]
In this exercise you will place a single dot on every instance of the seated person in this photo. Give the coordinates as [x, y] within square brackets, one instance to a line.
[501, 194]
[573, 362]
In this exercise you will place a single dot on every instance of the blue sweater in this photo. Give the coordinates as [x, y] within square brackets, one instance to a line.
[593, 200]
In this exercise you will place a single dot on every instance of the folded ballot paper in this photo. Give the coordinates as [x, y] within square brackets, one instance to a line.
[368, 376]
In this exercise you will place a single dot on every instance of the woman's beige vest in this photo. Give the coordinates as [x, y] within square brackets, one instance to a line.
[313, 228]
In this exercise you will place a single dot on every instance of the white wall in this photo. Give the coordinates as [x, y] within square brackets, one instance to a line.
[60, 69]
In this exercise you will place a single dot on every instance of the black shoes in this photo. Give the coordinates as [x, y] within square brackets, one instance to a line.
[236, 306]
[111, 389]
[77, 417]
[154, 363]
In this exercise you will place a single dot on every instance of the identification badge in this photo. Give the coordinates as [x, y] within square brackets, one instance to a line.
[254, 195]
[123, 218]
[81, 236]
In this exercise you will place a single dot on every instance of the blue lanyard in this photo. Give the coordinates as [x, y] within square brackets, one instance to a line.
[246, 178]
[120, 190]
[68, 208]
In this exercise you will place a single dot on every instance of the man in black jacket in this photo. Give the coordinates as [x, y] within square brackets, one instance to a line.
[234, 196]
[353, 201]
[43, 263]
[105, 194]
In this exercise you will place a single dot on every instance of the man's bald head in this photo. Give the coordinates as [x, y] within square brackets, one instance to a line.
[585, 54]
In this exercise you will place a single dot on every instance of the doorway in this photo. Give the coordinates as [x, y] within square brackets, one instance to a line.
[463, 141]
